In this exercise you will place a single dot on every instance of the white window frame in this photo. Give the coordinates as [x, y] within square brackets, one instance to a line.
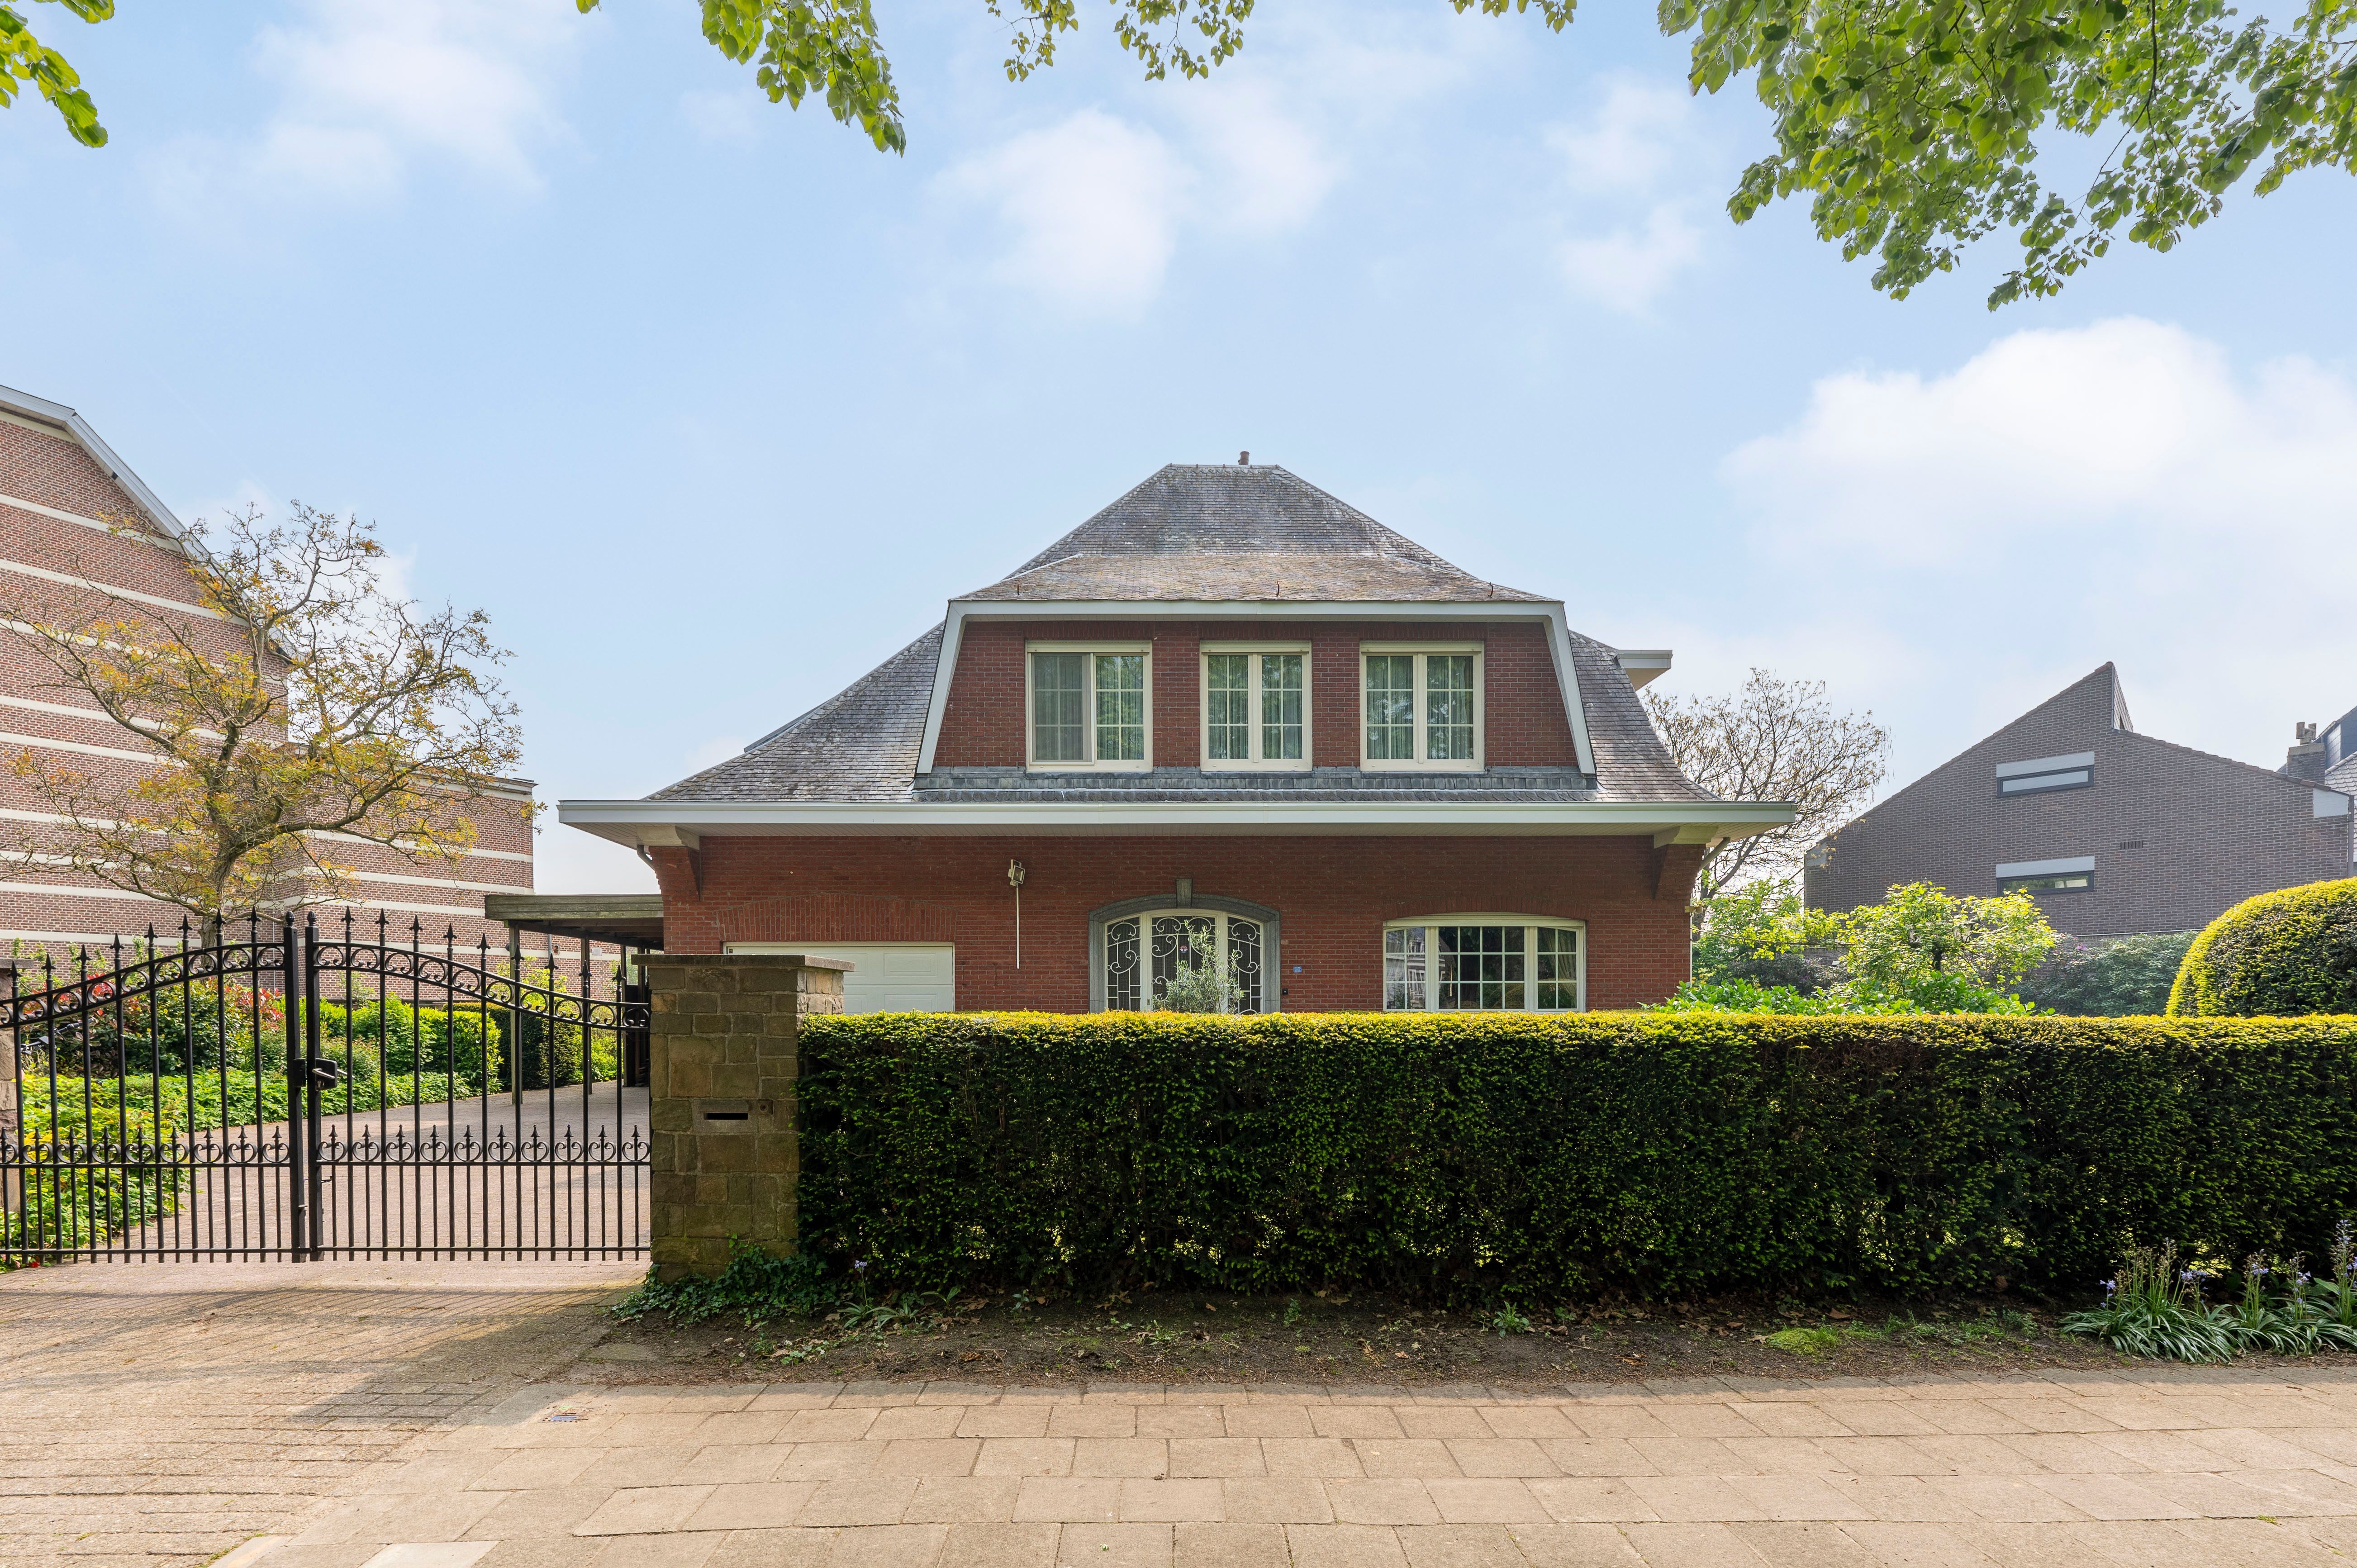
[1222, 920]
[1032, 760]
[1256, 763]
[1420, 763]
[1529, 957]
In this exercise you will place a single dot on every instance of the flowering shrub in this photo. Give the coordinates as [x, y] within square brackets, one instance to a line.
[2150, 1308]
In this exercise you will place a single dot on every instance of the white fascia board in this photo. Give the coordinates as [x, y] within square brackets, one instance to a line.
[669, 821]
[116, 468]
[1552, 613]
[1643, 665]
[2046, 765]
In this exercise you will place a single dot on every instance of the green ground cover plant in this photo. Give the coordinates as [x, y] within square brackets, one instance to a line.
[68, 1200]
[1504, 1158]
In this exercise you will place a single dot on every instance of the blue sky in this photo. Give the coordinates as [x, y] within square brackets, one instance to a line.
[712, 406]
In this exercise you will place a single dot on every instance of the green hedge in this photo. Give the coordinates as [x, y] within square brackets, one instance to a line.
[2280, 954]
[1664, 1154]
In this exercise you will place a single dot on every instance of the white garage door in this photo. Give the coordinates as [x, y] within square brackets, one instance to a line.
[888, 977]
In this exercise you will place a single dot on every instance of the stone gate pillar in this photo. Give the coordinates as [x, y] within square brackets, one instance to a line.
[721, 1091]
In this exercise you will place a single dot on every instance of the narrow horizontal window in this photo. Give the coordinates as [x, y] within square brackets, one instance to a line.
[2062, 882]
[2031, 784]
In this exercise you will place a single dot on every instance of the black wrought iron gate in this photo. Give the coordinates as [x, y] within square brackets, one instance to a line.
[302, 1094]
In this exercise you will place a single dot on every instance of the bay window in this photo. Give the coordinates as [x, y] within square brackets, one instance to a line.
[1485, 963]
[1255, 707]
[1422, 706]
[1090, 707]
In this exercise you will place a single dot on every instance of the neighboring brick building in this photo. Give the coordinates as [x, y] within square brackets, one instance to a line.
[2114, 832]
[1227, 714]
[60, 490]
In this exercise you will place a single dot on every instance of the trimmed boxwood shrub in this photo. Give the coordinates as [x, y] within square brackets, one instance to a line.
[1656, 1153]
[2281, 954]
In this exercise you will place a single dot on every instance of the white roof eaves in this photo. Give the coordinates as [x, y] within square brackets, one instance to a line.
[624, 821]
[116, 468]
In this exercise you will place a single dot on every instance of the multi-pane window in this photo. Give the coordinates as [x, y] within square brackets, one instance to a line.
[1221, 955]
[1423, 709]
[1255, 709]
[1466, 964]
[1089, 709]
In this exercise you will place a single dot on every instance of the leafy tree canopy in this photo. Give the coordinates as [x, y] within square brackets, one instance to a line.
[1921, 949]
[1912, 127]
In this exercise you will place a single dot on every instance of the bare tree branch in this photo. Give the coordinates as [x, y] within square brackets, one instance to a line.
[1775, 740]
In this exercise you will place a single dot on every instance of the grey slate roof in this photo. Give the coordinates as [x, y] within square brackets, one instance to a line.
[1205, 531]
[1192, 533]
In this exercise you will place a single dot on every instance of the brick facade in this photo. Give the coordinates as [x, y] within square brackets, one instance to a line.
[1523, 706]
[44, 466]
[2177, 835]
[1332, 896]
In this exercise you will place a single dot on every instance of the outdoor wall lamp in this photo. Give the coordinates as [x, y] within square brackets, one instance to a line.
[1015, 880]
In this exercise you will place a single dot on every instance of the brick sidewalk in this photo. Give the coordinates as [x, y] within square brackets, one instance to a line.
[2180, 1469]
[165, 1414]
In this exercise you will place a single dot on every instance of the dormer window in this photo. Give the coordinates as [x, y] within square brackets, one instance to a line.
[1255, 706]
[1092, 707]
[1422, 706]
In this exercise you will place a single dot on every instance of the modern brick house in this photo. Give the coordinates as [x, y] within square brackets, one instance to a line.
[1227, 716]
[62, 490]
[2114, 832]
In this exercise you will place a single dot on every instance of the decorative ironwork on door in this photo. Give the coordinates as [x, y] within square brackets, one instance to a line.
[307, 1093]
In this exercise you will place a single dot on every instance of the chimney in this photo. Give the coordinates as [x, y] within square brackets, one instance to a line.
[2304, 759]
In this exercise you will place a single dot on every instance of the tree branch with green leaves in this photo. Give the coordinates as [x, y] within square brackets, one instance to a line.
[24, 58]
[1912, 128]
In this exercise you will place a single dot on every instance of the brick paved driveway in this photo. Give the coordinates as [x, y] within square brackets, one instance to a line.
[164, 1413]
[414, 1417]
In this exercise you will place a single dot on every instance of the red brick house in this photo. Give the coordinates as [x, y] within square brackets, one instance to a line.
[1228, 714]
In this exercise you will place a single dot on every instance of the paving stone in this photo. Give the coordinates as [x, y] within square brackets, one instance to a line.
[1230, 1545]
[1344, 1546]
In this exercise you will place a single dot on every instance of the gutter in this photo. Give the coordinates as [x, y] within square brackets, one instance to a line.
[685, 823]
[116, 468]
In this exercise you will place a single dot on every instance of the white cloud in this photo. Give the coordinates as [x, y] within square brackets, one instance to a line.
[723, 116]
[1088, 209]
[1627, 268]
[1264, 170]
[1631, 142]
[1094, 210]
[2123, 491]
[2127, 424]
[369, 88]
[1635, 167]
